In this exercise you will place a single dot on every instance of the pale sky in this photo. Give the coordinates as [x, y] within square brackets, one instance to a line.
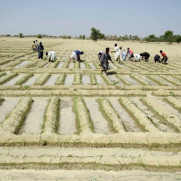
[76, 17]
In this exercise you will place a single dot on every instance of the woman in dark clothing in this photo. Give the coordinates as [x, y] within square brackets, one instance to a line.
[40, 51]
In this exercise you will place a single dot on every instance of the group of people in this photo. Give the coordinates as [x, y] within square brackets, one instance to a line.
[121, 55]
[103, 57]
[38, 47]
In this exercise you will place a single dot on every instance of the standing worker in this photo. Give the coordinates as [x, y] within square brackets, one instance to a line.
[123, 55]
[34, 47]
[40, 51]
[37, 44]
[104, 61]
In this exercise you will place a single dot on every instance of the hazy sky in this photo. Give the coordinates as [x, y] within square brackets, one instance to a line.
[75, 17]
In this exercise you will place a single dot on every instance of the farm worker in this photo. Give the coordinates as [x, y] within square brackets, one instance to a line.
[165, 58]
[157, 58]
[40, 51]
[52, 57]
[137, 57]
[104, 61]
[117, 51]
[129, 53]
[123, 55]
[100, 54]
[75, 55]
[36, 42]
[145, 56]
[34, 47]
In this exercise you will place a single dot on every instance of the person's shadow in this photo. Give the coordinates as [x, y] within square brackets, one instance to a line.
[111, 73]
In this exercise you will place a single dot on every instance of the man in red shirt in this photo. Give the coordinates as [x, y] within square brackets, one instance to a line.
[165, 58]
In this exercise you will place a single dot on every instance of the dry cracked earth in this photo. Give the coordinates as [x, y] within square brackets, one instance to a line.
[67, 121]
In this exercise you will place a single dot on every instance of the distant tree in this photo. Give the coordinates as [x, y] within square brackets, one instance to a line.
[8, 35]
[135, 37]
[126, 37]
[83, 37]
[130, 37]
[69, 37]
[39, 36]
[101, 36]
[151, 38]
[64, 37]
[21, 35]
[95, 34]
[168, 36]
[178, 38]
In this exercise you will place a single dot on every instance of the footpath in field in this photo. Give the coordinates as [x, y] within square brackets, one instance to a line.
[69, 116]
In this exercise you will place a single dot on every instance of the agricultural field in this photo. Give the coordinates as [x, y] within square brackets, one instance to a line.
[69, 116]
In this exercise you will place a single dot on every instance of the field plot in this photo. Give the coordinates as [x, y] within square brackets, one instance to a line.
[70, 116]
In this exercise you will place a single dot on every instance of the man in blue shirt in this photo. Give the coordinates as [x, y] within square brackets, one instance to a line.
[75, 55]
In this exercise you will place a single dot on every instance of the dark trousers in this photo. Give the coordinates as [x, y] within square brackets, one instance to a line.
[164, 59]
[40, 55]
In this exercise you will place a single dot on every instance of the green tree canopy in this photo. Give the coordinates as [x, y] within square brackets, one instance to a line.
[21, 35]
[95, 34]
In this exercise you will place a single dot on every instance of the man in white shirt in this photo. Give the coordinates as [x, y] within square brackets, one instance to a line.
[51, 56]
[118, 56]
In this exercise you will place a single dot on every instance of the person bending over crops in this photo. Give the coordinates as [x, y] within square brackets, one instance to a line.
[99, 56]
[75, 55]
[145, 56]
[137, 57]
[157, 58]
[34, 47]
[164, 57]
[104, 61]
[40, 51]
[129, 54]
[52, 57]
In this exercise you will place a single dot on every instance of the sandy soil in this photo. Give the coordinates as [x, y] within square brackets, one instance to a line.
[86, 175]
[100, 124]
[67, 118]
[130, 147]
[7, 107]
[34, 120]
[69, 80]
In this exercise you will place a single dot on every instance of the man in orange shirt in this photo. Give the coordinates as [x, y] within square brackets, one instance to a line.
[165, 58]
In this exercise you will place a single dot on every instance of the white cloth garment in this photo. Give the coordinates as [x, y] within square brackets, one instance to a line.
[52, 56]
[137, 57]
[118, 54]
[73, 56]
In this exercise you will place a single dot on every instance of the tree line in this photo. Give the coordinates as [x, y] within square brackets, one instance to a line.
[95, 35]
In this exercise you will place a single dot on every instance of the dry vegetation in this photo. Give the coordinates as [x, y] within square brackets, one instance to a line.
[124, 121]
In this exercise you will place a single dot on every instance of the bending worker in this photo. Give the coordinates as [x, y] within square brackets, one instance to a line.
[75, 55]
[52, 57]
